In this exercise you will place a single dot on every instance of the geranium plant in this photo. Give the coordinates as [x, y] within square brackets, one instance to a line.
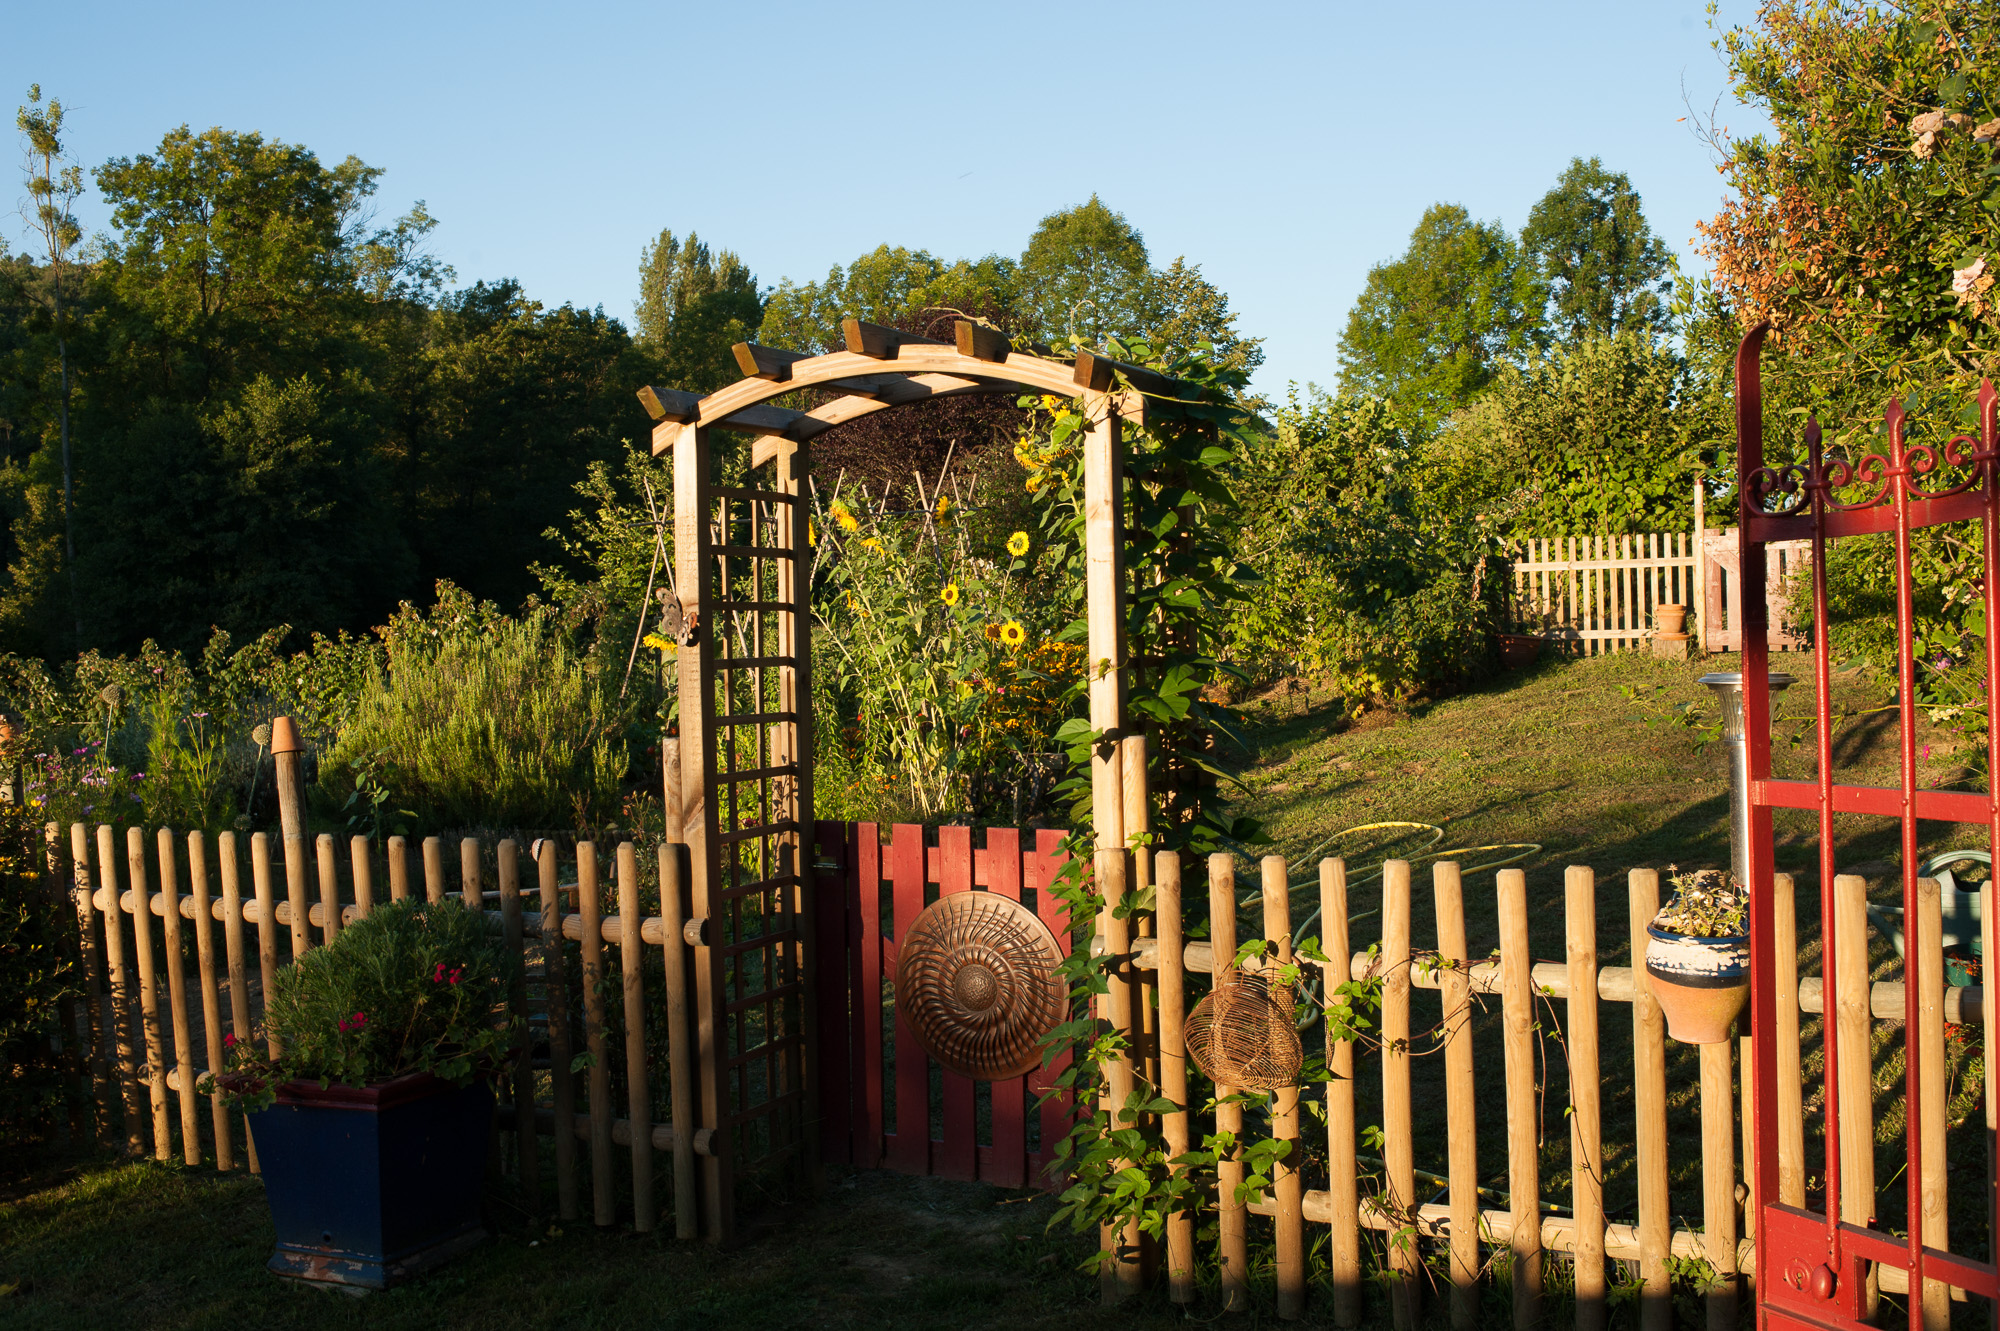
[417, 986]
[1707, 903]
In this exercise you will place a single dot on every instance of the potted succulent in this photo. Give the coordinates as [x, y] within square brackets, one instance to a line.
[373, 1122]
[1698, 955]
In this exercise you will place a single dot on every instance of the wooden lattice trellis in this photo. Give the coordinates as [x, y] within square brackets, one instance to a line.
[744, 800]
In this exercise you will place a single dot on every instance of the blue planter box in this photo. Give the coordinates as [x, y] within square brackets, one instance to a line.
[372, 1185]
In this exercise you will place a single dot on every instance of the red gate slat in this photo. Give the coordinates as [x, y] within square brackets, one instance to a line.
[910, 1146]
[864, 932]
[955, 1155]
[1041, 870]
[832, 993]
[1007, 1166]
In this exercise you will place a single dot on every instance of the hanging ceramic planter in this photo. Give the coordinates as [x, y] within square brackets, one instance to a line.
[1698, 956]
[1701, 984]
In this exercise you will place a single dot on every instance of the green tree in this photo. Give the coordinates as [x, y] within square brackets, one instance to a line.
[886, 286]
[232, 257]
[1432, 327]
[693, 307]
[1085, 274]
[1604, 268]
[55, 182]
[1866, 224]
[1585, 439]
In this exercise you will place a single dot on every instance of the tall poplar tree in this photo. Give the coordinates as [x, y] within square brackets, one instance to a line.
[1605, 270]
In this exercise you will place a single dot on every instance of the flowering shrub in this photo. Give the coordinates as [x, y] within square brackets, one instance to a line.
[939, 643]
[418, 986]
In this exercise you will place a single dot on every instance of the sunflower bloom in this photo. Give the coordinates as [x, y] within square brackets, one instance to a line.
[1017, 544]
[846, 519]
[943, 505]
[950, 594]
[872, 544]
[1012, 634]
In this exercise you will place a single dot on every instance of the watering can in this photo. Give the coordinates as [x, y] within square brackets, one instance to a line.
[1958, 907]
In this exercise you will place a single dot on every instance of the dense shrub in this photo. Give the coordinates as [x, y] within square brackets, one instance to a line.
[36, 975]
[1366, 581]
[479, 719]
[418, 986]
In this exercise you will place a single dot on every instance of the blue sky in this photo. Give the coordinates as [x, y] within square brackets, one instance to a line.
[1285, 148]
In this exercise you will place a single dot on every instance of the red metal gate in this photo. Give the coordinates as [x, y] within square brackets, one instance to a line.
[1814, 1266]
[883, 1101]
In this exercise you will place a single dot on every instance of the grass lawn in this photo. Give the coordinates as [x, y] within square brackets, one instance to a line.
[1551, 755]
[95, 1243]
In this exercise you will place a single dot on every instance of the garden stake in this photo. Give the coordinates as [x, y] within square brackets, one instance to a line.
[1173, 1067]
[555, 990]
[526, 1134]
[211, 992]
[267, 924]
[1461, 1143]
[398, 855]
[124, 1002]
[285, 750]
[1649, 1095]
[1854, 1027]
[470, 890]
[680, 1061]
[1928, 943]
[363, 875]
[100, 1012]
[1343, 1177]
[1524, 1138]
[639, 1103]
[1791, 1133]
[1586, 1142]
[175, 956]
[1406, 1299]
[149, 988]
[1232, 1220]
[433, 869]
[604, 1205]
[329, 888]
[239, 980]
[1287, 1187]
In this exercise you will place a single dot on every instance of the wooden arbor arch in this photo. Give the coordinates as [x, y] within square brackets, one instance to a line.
[743, 798]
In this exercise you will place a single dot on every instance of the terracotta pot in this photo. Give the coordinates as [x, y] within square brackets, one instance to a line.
[1702, 984]
[1519, 649]
[1670, 619]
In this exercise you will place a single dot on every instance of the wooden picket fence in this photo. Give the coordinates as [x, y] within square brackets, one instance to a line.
[181, 935]
[1586, 595]
[1550, 1012]
[884, 1102]
[149, 1028]
[1592, 594]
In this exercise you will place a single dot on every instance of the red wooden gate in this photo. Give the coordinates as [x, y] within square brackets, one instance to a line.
[1819, 1267]
[883, 1101]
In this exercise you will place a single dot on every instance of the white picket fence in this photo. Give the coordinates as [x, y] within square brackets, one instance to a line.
[1592, 594]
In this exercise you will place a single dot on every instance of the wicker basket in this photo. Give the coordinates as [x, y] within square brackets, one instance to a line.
[1242, 1034]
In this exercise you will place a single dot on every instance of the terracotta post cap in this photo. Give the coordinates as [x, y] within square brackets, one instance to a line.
[285, 736]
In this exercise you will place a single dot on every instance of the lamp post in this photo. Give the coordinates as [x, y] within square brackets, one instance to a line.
[1728, 686]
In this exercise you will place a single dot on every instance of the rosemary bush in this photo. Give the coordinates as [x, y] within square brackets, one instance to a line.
[482, 720]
